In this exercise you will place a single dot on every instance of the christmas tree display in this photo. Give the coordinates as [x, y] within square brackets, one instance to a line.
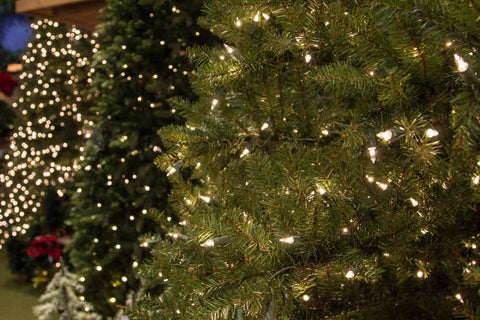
[334, 165]
[46, 143]
[63, 300]
[140, 64]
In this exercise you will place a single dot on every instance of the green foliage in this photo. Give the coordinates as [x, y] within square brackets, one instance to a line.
[278, 143]
[141, 62]
[18, 261]
[7, 118]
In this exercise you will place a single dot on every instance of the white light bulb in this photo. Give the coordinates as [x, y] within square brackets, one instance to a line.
[306, 297]
[264, 126]
[308, 57]
[206, 199]
[385, 135]
[350, 274]
[208, 243]
[289, 240]
[430, 133]
[372, 151]
[462, 66]
[244, 153]
[414, 202]
[419, 274]
[382, 186]
[321, 190]
[238, 23]
[214, 103]
[229, 49]
[476, 180]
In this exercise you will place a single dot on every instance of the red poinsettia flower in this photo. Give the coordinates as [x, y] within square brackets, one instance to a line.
[7, 83]
[48, 245]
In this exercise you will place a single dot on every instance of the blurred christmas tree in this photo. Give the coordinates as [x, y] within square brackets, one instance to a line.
[140, 64]
[63, 299]
[46, 143]
[336, 143]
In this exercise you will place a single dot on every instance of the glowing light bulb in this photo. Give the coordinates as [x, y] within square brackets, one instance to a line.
[308, 58]
[214, 103]
[112, 300]
[476, 180]
[459, 297]
[430, 133]
[372, 151]
[382, 186]
[98, 268]
[124, 279]
[350, 274]
[264, 126]
[289, 240]
[306, 297]
[321, 190]
[244, 153]
[208, 243]
[257, 17]
[462, 66]
[419, 274]
[385, 135]
[171, 171]
[414, 202]
[206, 199]
[229, 49]
[238, 23]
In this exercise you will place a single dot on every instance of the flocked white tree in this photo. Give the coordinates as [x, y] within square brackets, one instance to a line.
[63, 299]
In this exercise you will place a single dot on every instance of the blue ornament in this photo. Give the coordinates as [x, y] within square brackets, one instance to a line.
[15, 32]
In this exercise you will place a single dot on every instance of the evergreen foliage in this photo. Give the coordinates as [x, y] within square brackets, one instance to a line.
[335, 165]
[141, 63]
[46, 141]
[63, 300]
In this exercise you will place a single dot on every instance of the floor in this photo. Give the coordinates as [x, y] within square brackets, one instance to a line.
[16, 300]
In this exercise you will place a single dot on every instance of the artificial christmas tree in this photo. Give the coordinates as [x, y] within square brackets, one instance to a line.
[141, 63]
[46, 143]
[334, 157]
[63, 300]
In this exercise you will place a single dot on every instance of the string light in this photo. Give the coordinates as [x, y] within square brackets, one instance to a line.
[36, 173]
[350, 274]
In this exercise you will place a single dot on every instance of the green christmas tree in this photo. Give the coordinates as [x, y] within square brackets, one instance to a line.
[63, 300]
[141, 63]
[46, 142]
[334, 157]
